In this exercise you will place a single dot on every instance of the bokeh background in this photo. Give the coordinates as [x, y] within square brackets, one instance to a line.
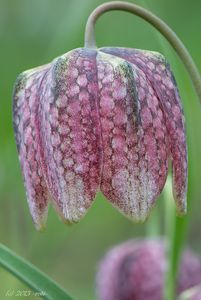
[32, 33]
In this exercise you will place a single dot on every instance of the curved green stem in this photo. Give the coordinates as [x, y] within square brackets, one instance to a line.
[160, 25]
[39, 282]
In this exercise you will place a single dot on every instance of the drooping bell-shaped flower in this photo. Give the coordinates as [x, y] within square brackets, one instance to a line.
[137, 269]
[107, 119]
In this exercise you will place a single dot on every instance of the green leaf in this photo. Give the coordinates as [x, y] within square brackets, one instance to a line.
[31, 276]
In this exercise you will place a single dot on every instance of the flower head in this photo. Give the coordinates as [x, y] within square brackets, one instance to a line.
[107, 119]
[136, 270]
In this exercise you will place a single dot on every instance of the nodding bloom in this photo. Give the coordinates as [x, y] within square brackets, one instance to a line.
[107, 119]
[136, 270]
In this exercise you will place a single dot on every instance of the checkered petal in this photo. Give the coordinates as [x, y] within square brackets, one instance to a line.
[134, 136]
[70, 132]
[158, 73]
[25, 111]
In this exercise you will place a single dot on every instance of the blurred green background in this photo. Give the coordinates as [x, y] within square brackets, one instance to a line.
[32, 33]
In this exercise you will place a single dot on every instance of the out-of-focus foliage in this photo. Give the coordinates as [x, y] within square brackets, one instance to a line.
[33, 33]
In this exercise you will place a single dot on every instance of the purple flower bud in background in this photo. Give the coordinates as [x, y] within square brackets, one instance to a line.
[190, 271]
[136, 270]
[107, 119]
[193, 293]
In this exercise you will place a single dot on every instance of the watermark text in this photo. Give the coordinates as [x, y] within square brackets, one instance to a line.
[24, 293]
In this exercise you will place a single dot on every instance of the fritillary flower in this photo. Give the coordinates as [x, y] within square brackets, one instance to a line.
[107, 119]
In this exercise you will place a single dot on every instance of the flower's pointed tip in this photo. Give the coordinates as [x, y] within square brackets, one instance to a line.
[40, 224]
[181, 207]
[67, 222]
[142, 217]
[64, 220]
[38, 213]
[181, 211]
[139, 216]
[180, 197]
[180, 202]
[66, 216]
[40, 227]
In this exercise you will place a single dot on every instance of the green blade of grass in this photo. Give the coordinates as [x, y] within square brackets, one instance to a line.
[31, 276]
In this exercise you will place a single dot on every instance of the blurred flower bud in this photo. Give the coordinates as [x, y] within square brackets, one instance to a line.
[136, 270]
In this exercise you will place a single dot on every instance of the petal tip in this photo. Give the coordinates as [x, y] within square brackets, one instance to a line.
[181, 208]
[40, 227]
[180, 201]
[142, 216]
[40, 222]
[69, 215]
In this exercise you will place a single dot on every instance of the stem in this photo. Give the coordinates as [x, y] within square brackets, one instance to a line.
[175, 228]
[160, 25]
[176, 242]
[39, 282]
[153, 224]
[170, 222]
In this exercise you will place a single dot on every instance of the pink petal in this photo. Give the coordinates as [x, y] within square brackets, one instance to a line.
[158, 72]
[134, 138]
[70, 133]
[25, 112]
